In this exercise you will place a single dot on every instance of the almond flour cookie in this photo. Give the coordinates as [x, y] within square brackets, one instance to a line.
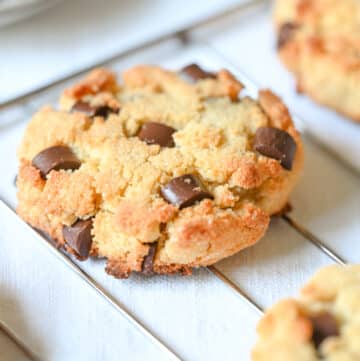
[319, 41]
[162, 172]
[323, 324]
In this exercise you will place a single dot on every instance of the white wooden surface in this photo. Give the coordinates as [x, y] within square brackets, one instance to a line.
[76, 33]
[199, 317]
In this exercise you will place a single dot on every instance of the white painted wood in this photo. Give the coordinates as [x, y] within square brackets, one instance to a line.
[276, 267]
[327, 202]
[78, 33]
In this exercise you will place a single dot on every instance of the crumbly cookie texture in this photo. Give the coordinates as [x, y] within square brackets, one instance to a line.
[158, 172]
[319, 41]
[323, 324]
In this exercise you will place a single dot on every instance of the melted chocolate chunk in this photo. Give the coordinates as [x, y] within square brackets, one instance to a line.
[104, 111]
[184, 191]
[277, 144]
[193, 73]
[55, 158]
[286, 32]
[92, 111]
[324, 326]
[148, 263]
[157, 133]
[78, 237]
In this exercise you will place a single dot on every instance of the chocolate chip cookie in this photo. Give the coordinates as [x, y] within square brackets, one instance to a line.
[159, 173]
[319, 41]
[323, 324]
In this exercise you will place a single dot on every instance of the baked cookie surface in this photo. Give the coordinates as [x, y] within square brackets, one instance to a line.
[160, 173]
[319, 41]
[323, 324]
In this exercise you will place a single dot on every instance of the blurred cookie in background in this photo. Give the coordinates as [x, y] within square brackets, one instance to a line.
[319, 42]
[322, 324]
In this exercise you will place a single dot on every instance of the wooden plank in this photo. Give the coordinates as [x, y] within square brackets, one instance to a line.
[276, 267]
[327, 202]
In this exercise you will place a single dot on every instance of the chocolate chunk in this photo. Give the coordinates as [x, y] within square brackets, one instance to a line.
[147, 266]
[157, 133]
[184, 191]
[92, 111]
[286, 32]
[55, 158]
[78, 237]
[277, 144]
[324, 326]
[193, 73]
[104, 111]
